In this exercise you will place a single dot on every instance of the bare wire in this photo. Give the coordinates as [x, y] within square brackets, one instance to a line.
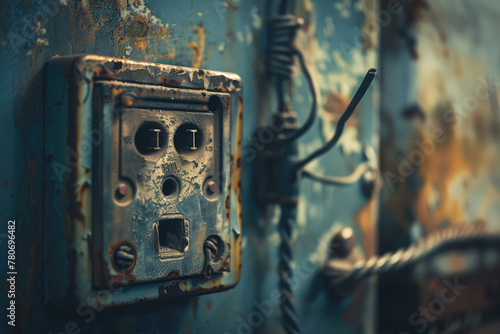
[314, 106]
[343, 119]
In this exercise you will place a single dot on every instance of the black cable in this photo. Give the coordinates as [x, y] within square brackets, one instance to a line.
[341, 273]
[314, 105]
[281, 59]
[286, 224]
[343, 119]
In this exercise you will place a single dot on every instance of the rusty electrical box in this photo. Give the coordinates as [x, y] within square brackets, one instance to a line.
[142, 188]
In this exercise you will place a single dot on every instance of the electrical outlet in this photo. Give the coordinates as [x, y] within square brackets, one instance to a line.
[142, 181]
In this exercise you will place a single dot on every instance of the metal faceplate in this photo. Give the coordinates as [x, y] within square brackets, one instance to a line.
[166, 210]
[143, 166]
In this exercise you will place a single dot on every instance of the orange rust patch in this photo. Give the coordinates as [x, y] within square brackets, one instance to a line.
[237, 173]
[227, 207]
[335, 106]
[221, 88]
[127, 101]
[141, 43]
[198, 48]
[366, 219]
[446, 164]
[82, 19]
[173, 274]
[167, 56]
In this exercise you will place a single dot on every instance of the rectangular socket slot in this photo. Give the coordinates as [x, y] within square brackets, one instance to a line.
[172, 235]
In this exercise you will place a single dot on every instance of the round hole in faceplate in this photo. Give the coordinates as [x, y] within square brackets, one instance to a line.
[170, 187]
[150, 138]
[214, 102]
[188, 139]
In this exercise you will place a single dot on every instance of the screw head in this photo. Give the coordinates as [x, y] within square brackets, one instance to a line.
[124, 257]
[212, 187]
[127, 100]
[342, 243]
[122, 190]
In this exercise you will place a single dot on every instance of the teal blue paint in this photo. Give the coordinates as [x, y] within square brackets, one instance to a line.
[229, 311]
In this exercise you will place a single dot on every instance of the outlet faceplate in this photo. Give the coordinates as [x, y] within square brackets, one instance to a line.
[144, 192]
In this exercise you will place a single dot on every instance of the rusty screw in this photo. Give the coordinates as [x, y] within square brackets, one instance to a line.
[212, 251]
[124, 257]
[211, 187]
[127, 100]
[121, 190]
[342, 243]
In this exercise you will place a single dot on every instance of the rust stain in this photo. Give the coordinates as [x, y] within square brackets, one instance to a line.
[366, 219]
[447, 164]
[335, 106]
[226, 265]
[144, 33]
[352, 314]
[237, 172]
[231, 8]
[227, 207]
[221, 88]
[173, 274]
[127, 101]
[167, 56]
[198, 48]
[85, 24]
[478, 292]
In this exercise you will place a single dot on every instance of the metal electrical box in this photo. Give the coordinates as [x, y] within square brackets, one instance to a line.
[142, 180]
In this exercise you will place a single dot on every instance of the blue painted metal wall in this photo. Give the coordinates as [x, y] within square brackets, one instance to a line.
[340, 43]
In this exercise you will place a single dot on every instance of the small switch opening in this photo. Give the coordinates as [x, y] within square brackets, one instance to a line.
[171, 235]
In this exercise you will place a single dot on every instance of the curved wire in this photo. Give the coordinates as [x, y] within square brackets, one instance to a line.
[341, 273]
[339, 180]
[281, 60]
[285, 268]
[343, 119]
[314, 106]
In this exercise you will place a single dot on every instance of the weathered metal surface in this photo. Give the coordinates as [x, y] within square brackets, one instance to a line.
[439, 144]
[100, 105]
[220, 35]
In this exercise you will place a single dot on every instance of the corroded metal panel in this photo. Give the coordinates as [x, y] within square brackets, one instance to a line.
[439, 150]
[339, 40]
[99, 111]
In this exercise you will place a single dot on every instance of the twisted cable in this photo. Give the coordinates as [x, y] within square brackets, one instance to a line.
[282, 30]
[341, 273]
[289, 316]
[280, 63]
